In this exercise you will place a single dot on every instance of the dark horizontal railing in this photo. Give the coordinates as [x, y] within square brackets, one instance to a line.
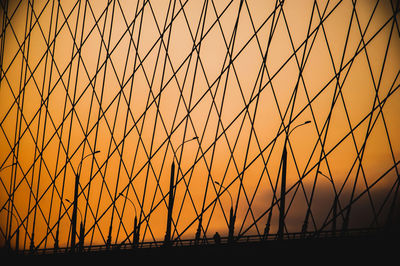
[352, 233]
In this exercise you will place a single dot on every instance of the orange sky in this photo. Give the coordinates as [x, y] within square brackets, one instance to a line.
[207, 99]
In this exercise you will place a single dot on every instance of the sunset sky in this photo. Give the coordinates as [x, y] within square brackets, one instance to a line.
[211, 86]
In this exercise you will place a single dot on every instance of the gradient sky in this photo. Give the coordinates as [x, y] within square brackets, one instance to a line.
[136, 99]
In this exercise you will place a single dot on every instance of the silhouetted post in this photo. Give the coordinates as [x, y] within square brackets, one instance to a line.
[74, 213]
[56, 240]
[136, 226]
[75, 202]
[81, 237]
[283, 192]
[232, 218]
[136, 230]
[167, 238]
[283, 183]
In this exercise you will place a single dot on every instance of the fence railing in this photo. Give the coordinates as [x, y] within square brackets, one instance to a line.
[243, 239]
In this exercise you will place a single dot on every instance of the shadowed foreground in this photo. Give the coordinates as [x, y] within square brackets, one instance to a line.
[373, 248]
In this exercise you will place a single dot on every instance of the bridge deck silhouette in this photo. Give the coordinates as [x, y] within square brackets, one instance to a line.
[243, 244]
